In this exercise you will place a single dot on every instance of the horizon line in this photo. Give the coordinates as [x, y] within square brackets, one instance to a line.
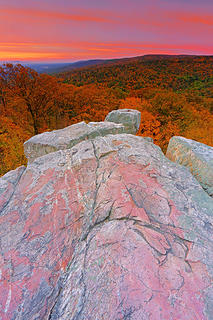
[14, 61]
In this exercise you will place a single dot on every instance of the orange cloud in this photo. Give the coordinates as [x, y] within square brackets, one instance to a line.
[9, 55]
[99, 17]
[192, 18]
[86, 50]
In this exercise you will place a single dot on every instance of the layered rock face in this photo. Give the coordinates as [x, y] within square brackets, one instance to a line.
[196, 156]
[107, 229]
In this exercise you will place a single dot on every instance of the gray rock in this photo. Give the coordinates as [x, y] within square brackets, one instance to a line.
[68, 137]
[8, 184]
[130, 118]
[196, 156]
[149, 139]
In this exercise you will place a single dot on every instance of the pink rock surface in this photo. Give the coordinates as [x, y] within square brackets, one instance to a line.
[109, 229]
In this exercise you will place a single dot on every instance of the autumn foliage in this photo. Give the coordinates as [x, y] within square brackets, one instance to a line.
[174, 96]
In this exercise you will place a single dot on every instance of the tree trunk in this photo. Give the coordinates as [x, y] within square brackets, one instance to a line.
[34, 118]
[3, 103]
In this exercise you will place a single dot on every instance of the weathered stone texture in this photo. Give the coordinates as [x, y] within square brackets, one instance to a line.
[130, 118]
[108, 229]
[7, 185]
[196, 156]
[66, 138]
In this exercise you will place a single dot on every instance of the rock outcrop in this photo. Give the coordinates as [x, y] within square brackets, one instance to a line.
[107, 229]
[196, 156]
[66, 138]
[131, 119]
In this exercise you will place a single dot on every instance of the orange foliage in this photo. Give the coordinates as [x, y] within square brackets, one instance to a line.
[41, 95]
[174, 97]
[202, 128]
[92, 103]
[12, 138]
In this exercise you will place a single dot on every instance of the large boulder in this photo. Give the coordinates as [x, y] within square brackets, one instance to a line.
[196, 156]
[66, 138]
[130, 118]
[108, 229]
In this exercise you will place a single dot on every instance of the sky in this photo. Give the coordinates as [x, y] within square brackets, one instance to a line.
[67, 30]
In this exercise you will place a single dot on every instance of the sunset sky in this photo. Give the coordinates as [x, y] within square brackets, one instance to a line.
[67, 30]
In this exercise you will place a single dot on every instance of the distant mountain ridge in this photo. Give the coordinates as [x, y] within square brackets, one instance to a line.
[52, 68]
[65, 67]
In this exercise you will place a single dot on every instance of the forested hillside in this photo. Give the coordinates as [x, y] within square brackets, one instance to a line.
[177, 73]
[174, 95]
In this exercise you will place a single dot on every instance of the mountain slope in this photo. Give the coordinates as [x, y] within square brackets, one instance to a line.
[170, 72]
